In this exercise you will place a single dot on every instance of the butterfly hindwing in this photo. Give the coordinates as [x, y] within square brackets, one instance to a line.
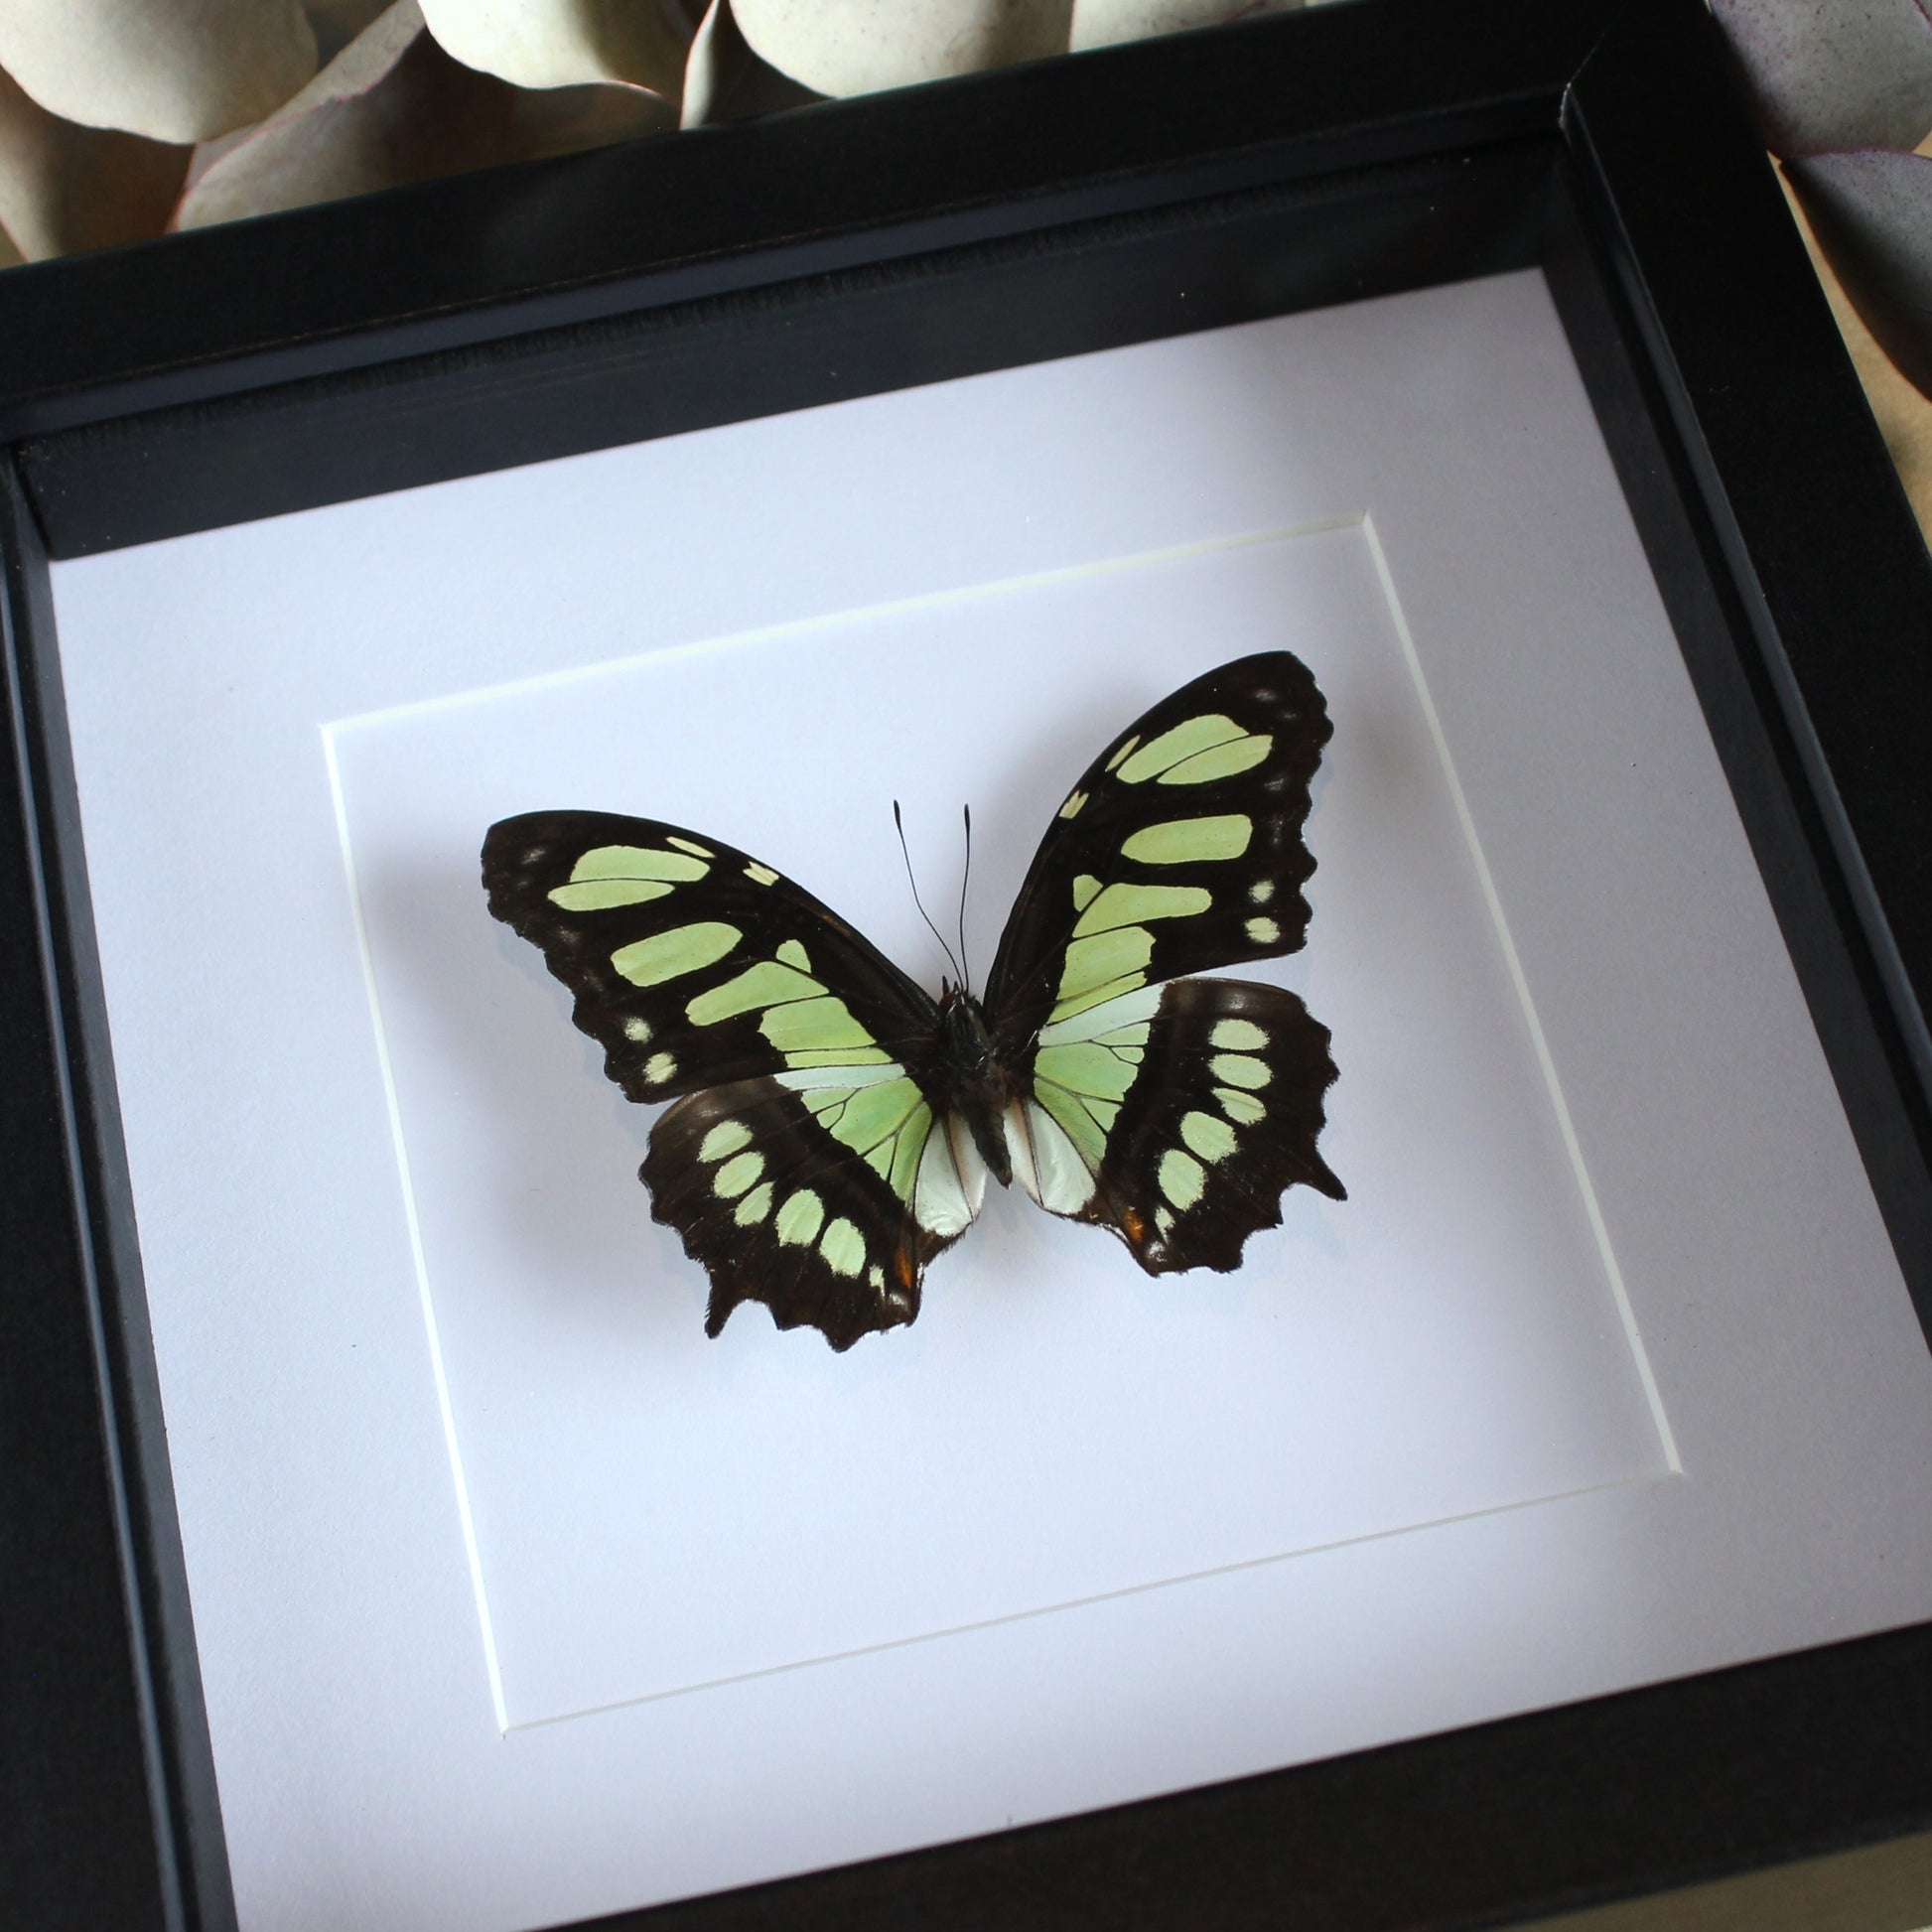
[1179, 850]
[1178, 1116]
[692, 964]
[823, 1201]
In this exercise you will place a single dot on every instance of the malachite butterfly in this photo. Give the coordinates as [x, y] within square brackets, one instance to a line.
[834, 1125]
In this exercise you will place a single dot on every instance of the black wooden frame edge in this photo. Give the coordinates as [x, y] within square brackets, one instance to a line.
[1525, 1817]
[97, 1594]
[565, 392]
[1854, 711]
[544, 244]
[1879, 1813]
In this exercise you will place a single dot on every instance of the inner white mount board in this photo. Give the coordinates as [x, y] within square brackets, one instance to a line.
[517, 1599]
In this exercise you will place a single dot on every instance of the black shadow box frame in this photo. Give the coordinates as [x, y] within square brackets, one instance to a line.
[853, 248]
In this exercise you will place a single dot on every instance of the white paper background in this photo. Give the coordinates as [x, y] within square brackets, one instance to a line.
[318, 1413]
[654, 1510]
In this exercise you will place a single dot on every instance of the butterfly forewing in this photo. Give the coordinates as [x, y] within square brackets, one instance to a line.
[1179, 850]
[692, 964]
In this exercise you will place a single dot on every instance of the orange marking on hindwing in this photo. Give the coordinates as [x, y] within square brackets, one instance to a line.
[904, 1268]
[1130, 1220]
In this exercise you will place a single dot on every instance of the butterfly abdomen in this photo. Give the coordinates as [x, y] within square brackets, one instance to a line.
[970, 1082]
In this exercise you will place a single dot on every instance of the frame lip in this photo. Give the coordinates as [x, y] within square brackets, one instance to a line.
[581, 237]
[1592, 35]
[1849, 767]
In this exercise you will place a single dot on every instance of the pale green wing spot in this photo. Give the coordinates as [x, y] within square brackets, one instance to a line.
[1084, 889]
[767, 984]
[636, 1030]
[635, 862]
[841, 1059]
[1212, 1139]
[874, 1113]
[841, 1070]
[1263, 933]
[725, 1138]
[1073, 804]
[738, 1173]
[1132, 1009]
[683, 949]
[794, 955]
[1238, 1071]
[1181, 1179]
[1222, 761]
[1082, 1084]
[599, 894]
[908, 1144]
[843, 1247]
[754, 1206]
[659, 1068]
[1098, 968]
[885, 1124]
[689, 845]
[1126, 983]
[1190, 841]
[1127, 905]
[813, 1026]
[1085, 1123]
[1262, 890]
[1243, 1107]
[862, 1117]
[1127, 746]
[1089, 1068]
[1237, 1035]
[800, 1219]
[760, 875]
[1182, 740]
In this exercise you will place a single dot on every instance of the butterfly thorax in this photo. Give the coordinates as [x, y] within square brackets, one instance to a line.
[970, 1080]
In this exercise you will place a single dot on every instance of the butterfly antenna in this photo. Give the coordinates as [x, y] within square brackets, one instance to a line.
[900, 824]
[966, 878]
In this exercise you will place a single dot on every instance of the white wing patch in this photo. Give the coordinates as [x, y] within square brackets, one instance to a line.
[1044, 1159]
[951, 1183]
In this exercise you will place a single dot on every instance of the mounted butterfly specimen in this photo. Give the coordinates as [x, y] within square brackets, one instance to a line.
[834, 1125]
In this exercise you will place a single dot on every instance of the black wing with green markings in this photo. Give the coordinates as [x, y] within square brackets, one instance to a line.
[1178, 851]
[691, 963]
[817, 1153]
[803, 1166]
[1176, 1114]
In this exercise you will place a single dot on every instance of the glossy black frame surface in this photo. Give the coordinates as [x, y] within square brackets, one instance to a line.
[852, 249]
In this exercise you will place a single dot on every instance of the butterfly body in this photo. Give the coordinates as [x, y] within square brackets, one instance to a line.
[968, 1080]
[833, 1125]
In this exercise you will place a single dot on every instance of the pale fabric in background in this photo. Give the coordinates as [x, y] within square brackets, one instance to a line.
[1904, 416]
